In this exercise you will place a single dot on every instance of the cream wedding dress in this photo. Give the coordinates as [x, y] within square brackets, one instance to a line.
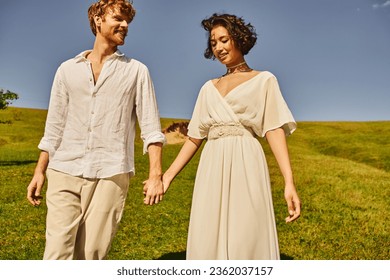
[232, 214]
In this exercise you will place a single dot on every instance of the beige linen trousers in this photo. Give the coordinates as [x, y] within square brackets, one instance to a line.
[83, 215]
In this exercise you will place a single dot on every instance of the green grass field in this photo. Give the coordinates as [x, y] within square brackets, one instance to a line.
[342, 171]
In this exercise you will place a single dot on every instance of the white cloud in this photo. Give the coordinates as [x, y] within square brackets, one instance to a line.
[383, 5]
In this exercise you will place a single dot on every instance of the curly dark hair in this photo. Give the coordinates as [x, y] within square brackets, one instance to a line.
[243, 35]
[100, 8]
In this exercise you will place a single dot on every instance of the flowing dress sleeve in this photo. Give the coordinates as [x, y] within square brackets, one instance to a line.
[196, 127]
[276, 112]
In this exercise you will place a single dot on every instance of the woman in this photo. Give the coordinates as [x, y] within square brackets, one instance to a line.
[232, 213]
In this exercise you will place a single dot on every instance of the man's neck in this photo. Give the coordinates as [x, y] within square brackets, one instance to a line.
[101, 51]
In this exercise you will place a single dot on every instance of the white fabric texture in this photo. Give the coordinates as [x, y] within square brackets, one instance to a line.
[90, 128]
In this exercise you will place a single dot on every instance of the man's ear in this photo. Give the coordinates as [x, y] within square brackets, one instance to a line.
[98, 22]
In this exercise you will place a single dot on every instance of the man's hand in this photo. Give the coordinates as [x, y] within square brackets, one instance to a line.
[34, 189]
[153, 187]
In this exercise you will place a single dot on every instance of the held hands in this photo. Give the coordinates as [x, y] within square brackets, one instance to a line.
[293, 203]
[153, 191]
[149, 194]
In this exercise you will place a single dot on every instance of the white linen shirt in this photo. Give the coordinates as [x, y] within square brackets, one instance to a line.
[90, 128]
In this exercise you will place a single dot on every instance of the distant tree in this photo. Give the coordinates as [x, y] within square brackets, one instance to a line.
[6, 98]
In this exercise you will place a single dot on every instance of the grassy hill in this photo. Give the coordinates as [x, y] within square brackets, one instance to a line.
[342, 171]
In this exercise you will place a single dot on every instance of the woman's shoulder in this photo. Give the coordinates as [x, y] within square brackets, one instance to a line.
[266, 74]
[205, 87]
[208, 83]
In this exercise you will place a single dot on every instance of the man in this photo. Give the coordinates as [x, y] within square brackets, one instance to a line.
[87, 150]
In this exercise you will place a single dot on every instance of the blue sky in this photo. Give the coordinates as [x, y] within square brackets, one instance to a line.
[331, 57]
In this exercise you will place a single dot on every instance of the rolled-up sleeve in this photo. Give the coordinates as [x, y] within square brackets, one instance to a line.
[56, 117]
[147, 111]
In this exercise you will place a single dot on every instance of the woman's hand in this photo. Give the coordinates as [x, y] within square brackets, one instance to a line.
[293, 203]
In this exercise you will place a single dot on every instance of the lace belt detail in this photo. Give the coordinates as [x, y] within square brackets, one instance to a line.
[223, 130]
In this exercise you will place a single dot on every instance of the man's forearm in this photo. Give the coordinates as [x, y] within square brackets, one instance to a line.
[42, 163]
[155, 160]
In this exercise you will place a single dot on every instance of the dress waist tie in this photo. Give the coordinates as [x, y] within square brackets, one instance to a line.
[217, 131]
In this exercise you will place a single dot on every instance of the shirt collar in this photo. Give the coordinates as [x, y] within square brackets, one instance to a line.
[83, 55]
